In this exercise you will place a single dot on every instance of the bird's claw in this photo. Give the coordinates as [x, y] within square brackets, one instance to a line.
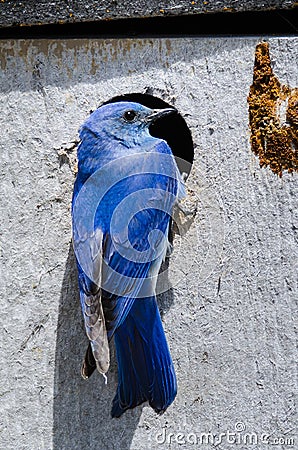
[183, 218]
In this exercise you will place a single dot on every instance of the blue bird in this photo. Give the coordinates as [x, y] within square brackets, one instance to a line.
[124, 194]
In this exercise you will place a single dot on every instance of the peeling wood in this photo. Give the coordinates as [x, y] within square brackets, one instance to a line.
[273, 116]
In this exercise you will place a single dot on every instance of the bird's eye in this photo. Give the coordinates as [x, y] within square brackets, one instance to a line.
[129, 115]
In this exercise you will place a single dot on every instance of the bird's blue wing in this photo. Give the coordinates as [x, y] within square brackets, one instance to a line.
[130, 253]
[129, 236]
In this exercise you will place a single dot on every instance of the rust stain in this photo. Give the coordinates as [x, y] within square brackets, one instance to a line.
[273, 116]
[6, 53]
[168, 46]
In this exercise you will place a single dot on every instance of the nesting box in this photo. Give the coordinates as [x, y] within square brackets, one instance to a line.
[229, 314]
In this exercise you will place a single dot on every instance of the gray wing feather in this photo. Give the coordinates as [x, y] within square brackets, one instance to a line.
[89, 254]
[96, 330]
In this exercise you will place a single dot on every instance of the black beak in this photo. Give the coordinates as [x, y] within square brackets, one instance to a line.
[158, 113]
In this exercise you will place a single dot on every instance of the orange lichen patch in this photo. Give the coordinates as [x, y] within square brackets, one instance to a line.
[292, 111]
[273, 138]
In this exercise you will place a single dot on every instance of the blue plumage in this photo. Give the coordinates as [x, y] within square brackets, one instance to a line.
[145, 367]
[124, 194]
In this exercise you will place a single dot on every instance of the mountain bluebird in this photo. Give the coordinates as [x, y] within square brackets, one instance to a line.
[126, 187]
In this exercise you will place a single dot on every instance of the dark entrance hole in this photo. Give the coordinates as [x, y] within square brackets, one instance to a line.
[173, 128]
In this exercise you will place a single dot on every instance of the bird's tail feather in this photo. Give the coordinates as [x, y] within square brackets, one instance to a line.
[145, 367]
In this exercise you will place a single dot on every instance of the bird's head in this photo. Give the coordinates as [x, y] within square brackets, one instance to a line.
[125, 122]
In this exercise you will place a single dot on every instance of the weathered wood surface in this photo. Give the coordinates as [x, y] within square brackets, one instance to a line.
[34, 12]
